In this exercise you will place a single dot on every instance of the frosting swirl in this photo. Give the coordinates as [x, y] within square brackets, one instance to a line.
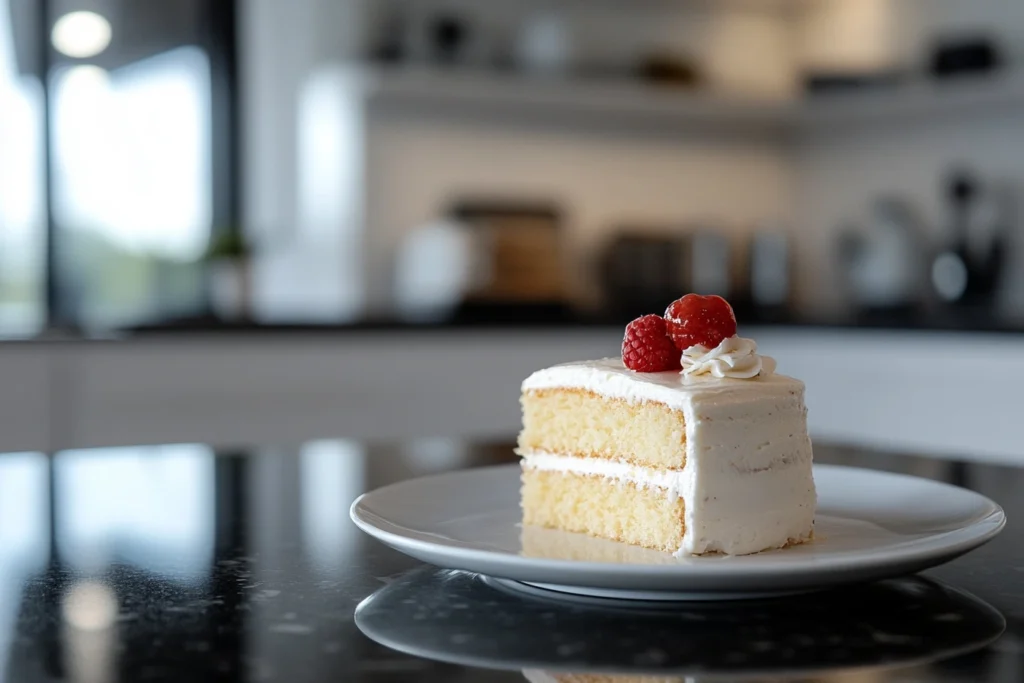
[735, 358]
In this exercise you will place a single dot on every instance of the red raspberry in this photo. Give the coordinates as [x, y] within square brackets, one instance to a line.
[646, 346]
[703, 320]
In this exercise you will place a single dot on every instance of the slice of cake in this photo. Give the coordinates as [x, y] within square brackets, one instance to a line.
[695, 451]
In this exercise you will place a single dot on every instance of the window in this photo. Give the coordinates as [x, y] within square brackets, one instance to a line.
[111, 185]
[132, 190]
[22, 200]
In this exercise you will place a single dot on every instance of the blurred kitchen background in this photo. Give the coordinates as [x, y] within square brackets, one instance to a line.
[251, 219]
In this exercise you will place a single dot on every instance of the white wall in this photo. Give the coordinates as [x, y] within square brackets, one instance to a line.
[845, 35]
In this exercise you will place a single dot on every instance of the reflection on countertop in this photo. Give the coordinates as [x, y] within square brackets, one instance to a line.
[467, 619]
[183, 562]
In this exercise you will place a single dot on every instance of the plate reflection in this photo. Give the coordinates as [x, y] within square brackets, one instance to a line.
[459, 617]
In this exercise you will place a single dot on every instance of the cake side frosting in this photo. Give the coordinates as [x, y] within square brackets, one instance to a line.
[748, 481]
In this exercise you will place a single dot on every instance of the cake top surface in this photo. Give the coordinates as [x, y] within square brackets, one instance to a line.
[691, 353]
[609, 377]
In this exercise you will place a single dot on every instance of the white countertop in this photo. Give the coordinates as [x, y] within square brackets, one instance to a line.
[942, 393]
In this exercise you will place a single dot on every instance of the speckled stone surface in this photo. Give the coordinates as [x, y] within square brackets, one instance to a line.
[179, 563]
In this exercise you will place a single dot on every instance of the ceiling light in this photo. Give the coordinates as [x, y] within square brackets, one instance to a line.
[81, 34]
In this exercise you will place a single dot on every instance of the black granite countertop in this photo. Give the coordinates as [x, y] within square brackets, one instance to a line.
[179, 563]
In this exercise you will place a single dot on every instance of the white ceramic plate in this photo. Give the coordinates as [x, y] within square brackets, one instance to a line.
[870, 525]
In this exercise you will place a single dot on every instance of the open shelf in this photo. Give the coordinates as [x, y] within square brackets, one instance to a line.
[647, 106]
[614, 102]
[918, 102]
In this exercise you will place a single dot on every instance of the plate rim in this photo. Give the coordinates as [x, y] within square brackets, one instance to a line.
[920, 553]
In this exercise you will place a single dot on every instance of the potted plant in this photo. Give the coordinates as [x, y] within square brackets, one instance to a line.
[229, 266]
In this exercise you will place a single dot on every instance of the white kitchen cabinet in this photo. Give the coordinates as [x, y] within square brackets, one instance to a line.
[280, 389]
[29, 378]
[952, 395]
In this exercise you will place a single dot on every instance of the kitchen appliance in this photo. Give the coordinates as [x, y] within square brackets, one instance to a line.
[543, 46]
[667, 69]
[769, 272]
[710, 263]
[1010, 289]
[437, 37]
[484, 259]
[642, 271]
[967, 269]
[883, 263]
[965, 56]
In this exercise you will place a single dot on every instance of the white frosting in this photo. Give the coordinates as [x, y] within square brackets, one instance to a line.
[735, 357]
[747, 482]
[644, 477]
[609, 377]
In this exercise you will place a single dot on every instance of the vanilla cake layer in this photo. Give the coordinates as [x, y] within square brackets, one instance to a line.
[764, 508]
[745, 482]
[581, 422]
[604, 507]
